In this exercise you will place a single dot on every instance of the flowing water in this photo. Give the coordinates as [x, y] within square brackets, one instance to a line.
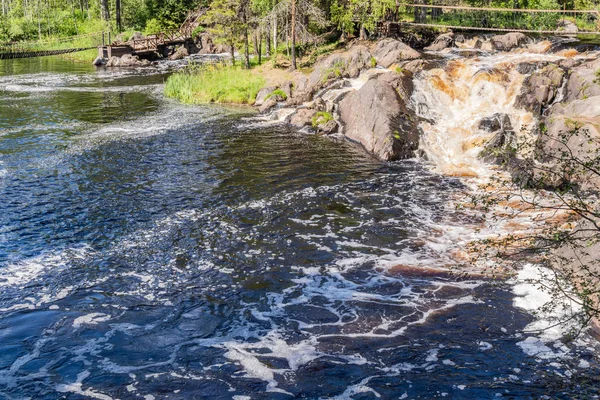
[152, 250]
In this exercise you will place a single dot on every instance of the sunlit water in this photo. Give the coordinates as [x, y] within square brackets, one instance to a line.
[154, 250]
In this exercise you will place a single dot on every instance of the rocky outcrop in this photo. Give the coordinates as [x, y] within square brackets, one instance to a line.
[568, 147]
[127, 61]
[377, 117]
[301, 117]
[179, 54]
[584, 81]
[262, 95]
[567, 26]
[508, 41]
[579, 259]
[206, 45]
[501, 148]
[441, 42]
[347, 64]
[540, 89]
[391, 51]
[99, 61]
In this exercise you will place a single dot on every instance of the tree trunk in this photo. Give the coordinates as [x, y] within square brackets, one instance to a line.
[255, 40]
[104, 10]
[259, 49]
[74, 16]
[363, 33]
[293, 34]
[268, 43]
[232, 54]
[246, 49]
[275, 36]
[118, 14]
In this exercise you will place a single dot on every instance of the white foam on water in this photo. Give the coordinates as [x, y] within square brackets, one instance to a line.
[22, 272]
[554, 318]
[90, 319]
[77, 388]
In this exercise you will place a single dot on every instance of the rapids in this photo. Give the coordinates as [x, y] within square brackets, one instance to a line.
[153, 250]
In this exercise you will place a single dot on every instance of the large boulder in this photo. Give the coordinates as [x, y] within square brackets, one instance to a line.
[578, 258]
[441, 42]
[566, 26]
[347, 64]
[568, 146]
[377, 117]
[584, 81]
[99, 61]
[262, 95]
[540, 89]
[508, 41]
[206, 45]
[179, 54]
[391, 51]
[301, 117]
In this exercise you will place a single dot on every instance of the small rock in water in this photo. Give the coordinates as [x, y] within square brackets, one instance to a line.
[99, 61]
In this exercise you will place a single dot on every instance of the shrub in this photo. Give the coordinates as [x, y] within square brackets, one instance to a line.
[279, 93]
[153, 26]
[320, 118]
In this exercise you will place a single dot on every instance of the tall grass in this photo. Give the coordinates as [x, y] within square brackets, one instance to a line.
[200, 84]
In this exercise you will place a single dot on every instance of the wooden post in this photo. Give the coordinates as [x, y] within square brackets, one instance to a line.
[103, 42]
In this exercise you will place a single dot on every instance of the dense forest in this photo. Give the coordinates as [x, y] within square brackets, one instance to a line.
[36, 19]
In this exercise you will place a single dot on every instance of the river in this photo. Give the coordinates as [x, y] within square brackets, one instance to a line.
[154, 250]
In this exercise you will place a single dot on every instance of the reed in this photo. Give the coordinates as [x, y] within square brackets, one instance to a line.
[217, 83]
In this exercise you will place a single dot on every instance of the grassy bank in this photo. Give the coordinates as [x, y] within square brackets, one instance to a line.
[214, 84]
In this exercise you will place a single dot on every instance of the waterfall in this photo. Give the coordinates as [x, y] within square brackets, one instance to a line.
[453, 100]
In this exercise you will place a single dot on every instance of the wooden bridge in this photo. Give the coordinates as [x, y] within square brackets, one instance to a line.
[98, 40]
[154, 42]
[550, 22]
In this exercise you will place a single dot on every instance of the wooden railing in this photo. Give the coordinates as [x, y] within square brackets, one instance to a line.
[504, 19]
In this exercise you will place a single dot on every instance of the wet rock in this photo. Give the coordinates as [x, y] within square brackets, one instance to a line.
[495, 123]
[540, 89]
[390, 51]
[179, 54]
[262, 94]
[442, 42]
[567, 26]
[501, 148]
[415, 66]
[267, 105]
[347, 64]
[127, 61]
[99, 61]
[584, 81]
[301, 117]
[377, 117]
[508, 41]
[286, 87]
[327, 128]
[528, 68]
